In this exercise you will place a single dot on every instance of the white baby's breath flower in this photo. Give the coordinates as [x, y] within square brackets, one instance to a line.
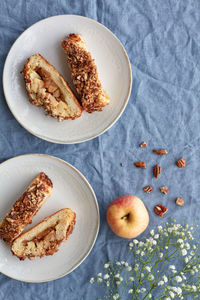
[161, 255]
[118, 282]
[117, 275]
[187, 246]
[165, 279]
[161, 283]
[130, 291]
[131, 278]
[166, 247]
[142, 275]
[131, 245]
[166, 234]
[194, 247]
[142, 253]
[156, 236]
[172, 295]
[116, 296]
[194, 288]
[123, 262]
[118, 263]
[151, 277]
[137, 252]
[186, 259]
[108, 283]
[178, 279]
[148, 269]
[92, 280]
[106, 265]
[192, 253]
[150, 296]
[106, 276]
[135, 242]
[129, 268]
[184, 252]
[99, 280]
[154, 242]
[99, 274]
[179, 290]
[152, 232]
[160, 229]
[167, 298]
[141, 244]
[180, 241]
[143, 290]
[121, 278]
[126, 264]
[172, 267]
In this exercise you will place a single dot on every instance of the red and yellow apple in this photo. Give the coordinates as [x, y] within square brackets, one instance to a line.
[127, 216]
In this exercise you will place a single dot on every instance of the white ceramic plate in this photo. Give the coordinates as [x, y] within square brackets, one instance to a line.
[45, 37]
[72, 190]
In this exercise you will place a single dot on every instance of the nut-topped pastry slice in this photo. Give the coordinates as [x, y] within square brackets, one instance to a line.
[25, 208]
[46, 237]
[84, 73]
[46, 87]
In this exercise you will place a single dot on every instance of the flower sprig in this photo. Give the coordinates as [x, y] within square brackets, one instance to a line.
[164, 266]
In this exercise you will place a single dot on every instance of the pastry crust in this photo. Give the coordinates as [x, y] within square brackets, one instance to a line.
[25, 208]
[46, 237]
[46, 87]
[84, 74]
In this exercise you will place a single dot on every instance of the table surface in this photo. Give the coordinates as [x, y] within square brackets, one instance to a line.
[162, 40]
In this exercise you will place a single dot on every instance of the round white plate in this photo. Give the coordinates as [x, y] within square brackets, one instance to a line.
[45, 38]
[72, 190]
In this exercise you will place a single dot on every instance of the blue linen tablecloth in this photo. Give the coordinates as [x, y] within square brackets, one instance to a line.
[162, 39]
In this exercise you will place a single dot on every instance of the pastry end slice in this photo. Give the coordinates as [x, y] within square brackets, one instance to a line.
[25, 208]
[46, 237]
[84, 73]
[46, 87]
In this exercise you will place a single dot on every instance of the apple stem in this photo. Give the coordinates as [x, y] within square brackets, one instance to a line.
[125, 217]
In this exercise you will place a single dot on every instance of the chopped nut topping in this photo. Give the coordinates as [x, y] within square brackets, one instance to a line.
[179, 201]
[160, 152]
[148, 189]
[140, 164]
[160, 210]
[143, 145]
[181, 163]
[156, 171]
[164, 190]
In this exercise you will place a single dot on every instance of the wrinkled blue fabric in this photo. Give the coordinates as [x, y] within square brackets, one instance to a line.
[162, 39]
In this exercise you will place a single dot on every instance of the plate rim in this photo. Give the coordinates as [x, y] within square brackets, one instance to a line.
[97, 208]
[110, 124]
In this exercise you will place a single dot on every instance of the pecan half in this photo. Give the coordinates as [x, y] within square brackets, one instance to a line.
[160, 151]
[156, 171]
[181, 163]
[164, 190]
[148, 189]
[140, 164]
[143, 145]
[160, 210]
[179, 201]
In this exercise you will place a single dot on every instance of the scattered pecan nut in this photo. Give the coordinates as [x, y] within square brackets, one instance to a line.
[179, 201]
[140, 164]
[160, 151]
[143, 145]
[181, 163]
[160, 210]
[121, 164]
[156, 171]
[164, 190]
[148, 189]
